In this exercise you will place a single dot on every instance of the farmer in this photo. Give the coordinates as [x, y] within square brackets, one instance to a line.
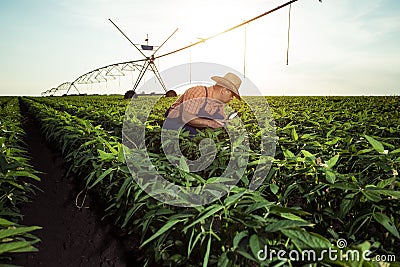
[203, 107]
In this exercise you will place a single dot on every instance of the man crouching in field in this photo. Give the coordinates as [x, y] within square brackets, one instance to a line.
[203, 107]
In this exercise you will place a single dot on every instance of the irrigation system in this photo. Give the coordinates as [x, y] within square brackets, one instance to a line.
[112, 71]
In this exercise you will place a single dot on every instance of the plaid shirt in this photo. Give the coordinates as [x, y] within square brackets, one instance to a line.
[193, 99]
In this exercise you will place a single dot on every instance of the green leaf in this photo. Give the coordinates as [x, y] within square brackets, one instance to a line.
[346, 205]
[365, 151]
[286, 224]
[24, 249]
[183, 165]
[105, 156]
[345, 186]
[304, 239]
[386, 222]
[16, 246]
[333, 142]
[274, 188]
[332, 161]
[15, 184]
[207, 255]
[121, 155]
[25, 174]
[192, 244]
[238, 141]
[17, 231]
[288, 154]
[238, 237]
[387, 192]
[162, 230]
[258, 205]
[371, 195]
[384, 183]
[130, 213]
[101, 177]
[397, 151]
[211, 210]
[217, 180]
[295, 137]
[283, 211]
[254, 243]
[308, 154]
[330, 176]
[246, 255]
[233, 198]
[5, 222]
[375, 144]
[223, 260]
[8, 265]
[307, 136]
[292, 217]
[330, 132]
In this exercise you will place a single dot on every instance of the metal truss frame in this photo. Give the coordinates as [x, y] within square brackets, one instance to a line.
[120, 69]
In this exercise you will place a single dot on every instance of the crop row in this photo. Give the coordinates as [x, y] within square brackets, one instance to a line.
[334, 173]
[229, 232]
[321, 116]
[15, 186]
[108, 113]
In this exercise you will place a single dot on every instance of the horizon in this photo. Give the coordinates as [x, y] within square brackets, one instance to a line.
[158, 94]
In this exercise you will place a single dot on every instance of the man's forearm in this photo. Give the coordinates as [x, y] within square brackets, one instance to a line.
[203, 122]
[198, 122]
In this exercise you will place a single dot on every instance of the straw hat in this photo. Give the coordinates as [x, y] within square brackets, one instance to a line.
[229, 81]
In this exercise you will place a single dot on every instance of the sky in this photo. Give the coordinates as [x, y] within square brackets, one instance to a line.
[337, 47]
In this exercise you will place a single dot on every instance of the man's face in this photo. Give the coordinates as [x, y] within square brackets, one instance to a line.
[226, 95]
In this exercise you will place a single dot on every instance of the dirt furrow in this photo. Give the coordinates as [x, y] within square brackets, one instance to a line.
[70, 236]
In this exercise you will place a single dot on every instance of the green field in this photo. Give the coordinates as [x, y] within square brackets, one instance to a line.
[334, 176]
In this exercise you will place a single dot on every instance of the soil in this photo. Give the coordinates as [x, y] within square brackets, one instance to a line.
[71, 236]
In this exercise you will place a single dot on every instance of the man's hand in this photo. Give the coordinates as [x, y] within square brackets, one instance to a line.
[215, 124]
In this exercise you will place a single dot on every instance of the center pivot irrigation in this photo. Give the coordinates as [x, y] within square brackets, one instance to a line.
[110, 72]
[149, 61]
